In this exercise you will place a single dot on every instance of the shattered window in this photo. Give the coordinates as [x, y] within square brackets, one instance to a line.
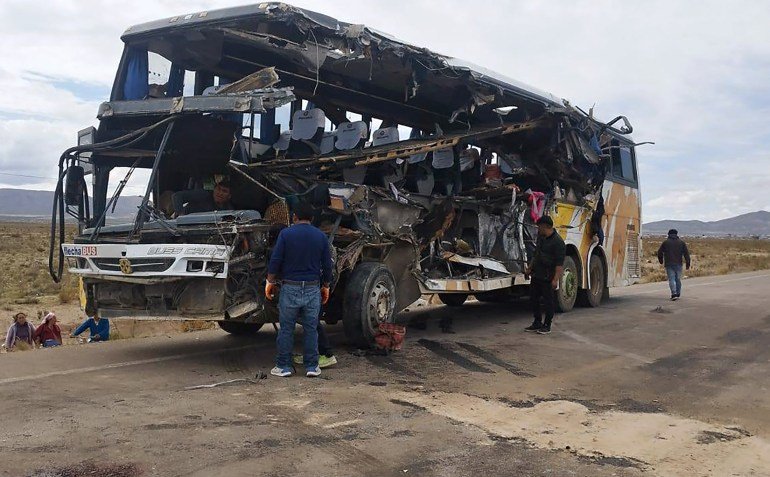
[623, 166]
[158, 73]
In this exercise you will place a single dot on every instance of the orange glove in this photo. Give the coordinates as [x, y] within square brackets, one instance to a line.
[325, 295]
[270, 290]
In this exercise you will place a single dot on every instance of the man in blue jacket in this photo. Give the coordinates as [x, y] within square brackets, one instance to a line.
[99, 328]
[302, 261]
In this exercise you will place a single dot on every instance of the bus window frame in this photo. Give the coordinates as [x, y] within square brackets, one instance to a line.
[617, 176]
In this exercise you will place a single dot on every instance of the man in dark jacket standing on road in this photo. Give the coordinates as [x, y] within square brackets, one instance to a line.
[301, 259]
[545, 270]
[670, 254]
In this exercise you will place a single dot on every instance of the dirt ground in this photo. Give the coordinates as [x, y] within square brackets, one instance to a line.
[710, 256]
[641, 386]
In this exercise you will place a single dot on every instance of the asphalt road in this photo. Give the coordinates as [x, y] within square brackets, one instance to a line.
[641, 386]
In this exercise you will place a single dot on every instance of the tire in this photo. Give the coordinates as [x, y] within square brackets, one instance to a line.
[240, 329]
[568, 287]
[594, 296]
[452, 299]
[369, 299]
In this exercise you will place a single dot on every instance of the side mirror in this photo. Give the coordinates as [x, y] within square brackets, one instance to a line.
[73, 185]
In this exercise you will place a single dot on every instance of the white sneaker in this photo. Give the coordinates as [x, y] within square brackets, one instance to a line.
[282, 373]
[313, 372]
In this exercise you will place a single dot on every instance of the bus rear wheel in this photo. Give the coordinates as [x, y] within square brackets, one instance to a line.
[240, 329]
[594, 295]
[568, 286]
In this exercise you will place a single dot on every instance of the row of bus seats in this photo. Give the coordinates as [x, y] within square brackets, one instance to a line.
[307, 137]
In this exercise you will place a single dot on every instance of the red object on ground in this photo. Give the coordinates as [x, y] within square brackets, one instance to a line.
[390, 337]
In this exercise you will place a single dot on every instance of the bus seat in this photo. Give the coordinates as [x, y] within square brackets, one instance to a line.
[327, 142]
[306, 133]
[351, 135]
[443, 158]
[308, 125]
[425, 182]
[391, 172]
[282, 144]
[385, 136]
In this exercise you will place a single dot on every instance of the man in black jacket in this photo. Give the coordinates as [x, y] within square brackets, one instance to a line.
[670, 254]
[546, 269]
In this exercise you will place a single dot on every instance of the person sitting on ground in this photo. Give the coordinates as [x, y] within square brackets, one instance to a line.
[98, 328]
[670, 254]
[21, 333]
[48, 333]
[202, 200]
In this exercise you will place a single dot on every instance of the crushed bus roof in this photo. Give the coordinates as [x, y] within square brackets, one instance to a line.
[316, 53]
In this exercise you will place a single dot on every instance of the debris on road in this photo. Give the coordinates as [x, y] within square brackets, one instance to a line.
[229, 382]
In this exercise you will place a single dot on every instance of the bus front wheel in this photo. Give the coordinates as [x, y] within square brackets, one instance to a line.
[239, 328]
[370, 299]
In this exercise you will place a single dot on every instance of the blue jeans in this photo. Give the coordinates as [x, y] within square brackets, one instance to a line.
[297, 303]
[674, 273]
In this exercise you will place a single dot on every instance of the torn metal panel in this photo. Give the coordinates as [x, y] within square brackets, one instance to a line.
[490, 228]
[393, 218]
[263, 78]
[400, 260]
[257, 103]
[438, 285]
[486, 263]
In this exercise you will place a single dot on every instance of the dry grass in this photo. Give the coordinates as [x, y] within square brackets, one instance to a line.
[710, 256]
[24, 276]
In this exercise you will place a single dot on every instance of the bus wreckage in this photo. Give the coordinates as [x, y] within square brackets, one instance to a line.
[426, 172]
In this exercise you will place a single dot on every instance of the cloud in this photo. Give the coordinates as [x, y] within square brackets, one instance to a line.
[694, 80]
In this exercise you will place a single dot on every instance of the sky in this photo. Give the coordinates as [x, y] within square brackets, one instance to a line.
[694, 77]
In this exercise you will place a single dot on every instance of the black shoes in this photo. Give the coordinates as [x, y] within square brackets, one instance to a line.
[675, 296]
[538, 328]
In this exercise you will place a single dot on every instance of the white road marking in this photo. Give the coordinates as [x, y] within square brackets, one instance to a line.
[631, 292]
[606, 348]
[90, 369]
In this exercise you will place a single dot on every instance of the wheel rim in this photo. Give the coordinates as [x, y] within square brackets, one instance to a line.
[569, 283]
[379, 306]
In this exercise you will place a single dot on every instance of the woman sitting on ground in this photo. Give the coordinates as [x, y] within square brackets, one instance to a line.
[48, 333]
[21, 333]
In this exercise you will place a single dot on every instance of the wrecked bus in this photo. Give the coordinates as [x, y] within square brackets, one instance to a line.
[426, 172]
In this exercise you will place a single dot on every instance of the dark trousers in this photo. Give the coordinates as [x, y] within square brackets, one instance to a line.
[542, 290]
[324, 347]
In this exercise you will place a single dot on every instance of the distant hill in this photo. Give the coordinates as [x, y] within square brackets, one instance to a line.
[754, 223]
[21, 204]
